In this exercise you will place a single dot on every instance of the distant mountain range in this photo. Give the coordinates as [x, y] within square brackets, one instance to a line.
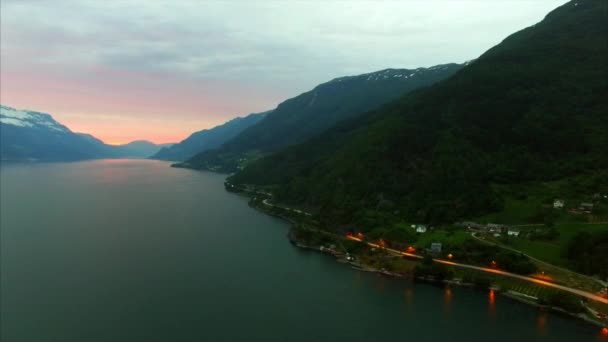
[29, 135]
[532, 109]
[208, 139]
[307, 115]
[139, 149]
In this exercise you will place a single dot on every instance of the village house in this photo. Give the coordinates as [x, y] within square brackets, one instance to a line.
[586, 207]
[436, 247]
[558, 204]
[513, 232]
[471, 225]
[495, 228]
[421, 228]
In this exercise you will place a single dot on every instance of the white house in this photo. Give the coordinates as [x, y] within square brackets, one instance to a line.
[558, 204]
[513, 232]
[494, 227]
[420, 228]
[586, 207]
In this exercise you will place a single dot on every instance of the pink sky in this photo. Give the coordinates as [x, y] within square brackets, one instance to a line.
[119, 106]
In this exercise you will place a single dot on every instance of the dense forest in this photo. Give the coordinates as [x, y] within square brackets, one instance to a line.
[208, 139]
[588, 253]
[533, 108]
[306, 115]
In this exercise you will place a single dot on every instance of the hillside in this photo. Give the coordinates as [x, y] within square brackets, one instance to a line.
[304, 116]
[27, 135]
[531, 109]
[208, 138]
[138, 149]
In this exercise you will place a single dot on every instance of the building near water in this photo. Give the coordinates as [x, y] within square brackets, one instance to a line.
[436, 247]
[558, 204]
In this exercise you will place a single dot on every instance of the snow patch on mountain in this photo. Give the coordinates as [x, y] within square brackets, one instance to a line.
[394, 74]
[24, 118]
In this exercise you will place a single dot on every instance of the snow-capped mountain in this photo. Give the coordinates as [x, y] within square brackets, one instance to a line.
[307, 115]
[399, 74]
[24, 118]
[29, 135]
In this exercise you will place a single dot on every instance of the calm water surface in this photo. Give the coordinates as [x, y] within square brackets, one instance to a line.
[132, 250]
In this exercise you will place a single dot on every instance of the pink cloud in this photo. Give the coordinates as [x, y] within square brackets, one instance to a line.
[119, 106]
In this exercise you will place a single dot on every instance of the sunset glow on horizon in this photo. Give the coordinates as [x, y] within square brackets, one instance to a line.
[127, 106]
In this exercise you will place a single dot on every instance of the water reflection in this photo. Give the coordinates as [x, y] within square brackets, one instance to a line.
[409, 294]
[379, 284]
[447, 300]
[492, 305]
[541, 323]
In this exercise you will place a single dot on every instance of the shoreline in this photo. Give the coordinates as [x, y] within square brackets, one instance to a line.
[520, 297]
[266, 208]
[513, 295]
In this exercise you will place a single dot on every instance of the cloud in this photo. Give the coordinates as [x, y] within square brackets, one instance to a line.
[227, 39]
[258, 52]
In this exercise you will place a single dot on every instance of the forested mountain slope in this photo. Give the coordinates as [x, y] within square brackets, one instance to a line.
[208, 139]
[533, 108]
[310, 113]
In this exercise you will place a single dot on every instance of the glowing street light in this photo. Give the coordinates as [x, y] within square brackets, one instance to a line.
[450, 256]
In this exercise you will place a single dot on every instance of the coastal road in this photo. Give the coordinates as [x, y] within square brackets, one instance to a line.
[602, 283]
[266, 201]
[298, 211]
[578, 292]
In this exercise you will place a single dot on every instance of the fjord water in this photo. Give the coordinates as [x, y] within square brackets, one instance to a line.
[133, 250]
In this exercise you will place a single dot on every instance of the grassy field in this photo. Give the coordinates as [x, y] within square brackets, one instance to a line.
[546, 251]
[550, 251]
[568, 230]
[514, 212]
[447, 238]
[527, 203]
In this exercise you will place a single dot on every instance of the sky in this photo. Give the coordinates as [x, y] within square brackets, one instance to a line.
[160, 70]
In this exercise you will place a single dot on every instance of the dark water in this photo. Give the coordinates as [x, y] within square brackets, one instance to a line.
[137, 251]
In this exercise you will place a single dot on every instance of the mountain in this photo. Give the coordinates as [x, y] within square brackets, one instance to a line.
[531, 109]
[208, 138]
[29, 135]
[304, 116]
[134, 149]
[139, 149]
[37, 136]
